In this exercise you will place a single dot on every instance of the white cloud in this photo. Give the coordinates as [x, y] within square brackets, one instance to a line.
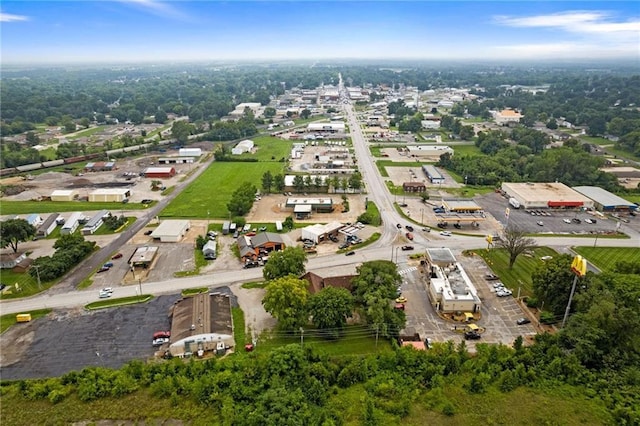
[585, 22]
[566, 50]
[158, 8]
[8, 17]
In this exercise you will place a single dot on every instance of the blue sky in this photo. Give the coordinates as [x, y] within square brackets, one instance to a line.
[151, 30]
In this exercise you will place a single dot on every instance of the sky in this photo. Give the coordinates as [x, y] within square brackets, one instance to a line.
[158, 31]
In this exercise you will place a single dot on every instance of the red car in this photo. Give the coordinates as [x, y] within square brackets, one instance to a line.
[117, 256]
[409, 235]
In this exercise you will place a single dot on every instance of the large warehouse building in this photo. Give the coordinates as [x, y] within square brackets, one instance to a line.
[546, 195]
[160, 172]
[63, 195]
[604, 200]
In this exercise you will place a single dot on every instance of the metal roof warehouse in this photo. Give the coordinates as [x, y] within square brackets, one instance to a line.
[605, 200]
[545, 195]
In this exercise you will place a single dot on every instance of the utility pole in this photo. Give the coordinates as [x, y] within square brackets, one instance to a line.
[38, 275]
[376, 336]
[301, 336]
[140, 285]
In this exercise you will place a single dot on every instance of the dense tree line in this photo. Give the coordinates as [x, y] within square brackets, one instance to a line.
[71, 249]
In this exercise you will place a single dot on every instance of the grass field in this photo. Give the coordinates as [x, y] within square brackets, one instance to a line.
[605, 258]
[27, 207]
[382, 164]
[466, 150]
[26, 283]
[520, 275]
[270, 149]
[213, 189]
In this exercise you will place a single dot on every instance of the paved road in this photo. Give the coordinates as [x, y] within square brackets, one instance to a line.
[64, 295]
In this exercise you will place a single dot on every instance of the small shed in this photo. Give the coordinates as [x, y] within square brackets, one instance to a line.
[242, 147]
[210, 250]
[63, 195]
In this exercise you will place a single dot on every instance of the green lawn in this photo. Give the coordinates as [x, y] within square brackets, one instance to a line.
[605, 258]
[85, 133]
[270, 149]
[213, 189]
[8, 320]
[27, 207]
[122, 301]
[103, 230]
[27, 285]
[239, 332]
[356, 340]
[470, 149]
[520, 276]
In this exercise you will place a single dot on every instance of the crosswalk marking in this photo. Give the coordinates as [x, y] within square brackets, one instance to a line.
[406, 271]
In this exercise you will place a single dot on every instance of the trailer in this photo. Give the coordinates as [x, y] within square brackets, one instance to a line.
[225, 227]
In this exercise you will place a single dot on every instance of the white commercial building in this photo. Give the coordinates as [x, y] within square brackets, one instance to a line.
[242, 147]
[429, 151]
[190, 152]
[171, 231]
[319, 232]
[449, 286]
[326, 127]
[109, 195]
[536, 195]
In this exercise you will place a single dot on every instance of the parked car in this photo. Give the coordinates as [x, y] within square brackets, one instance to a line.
[406, 248]
[108, 289]
[409, 228]
[566, 220]
[576, 220]
[425, 229]
[117, 256]
[104, 294]
[523, 321]
[540, 223]
[108, 265]
[472, 335]
[491, 277]
[428, 343]
[103, 269]
[588, 220]
[399, 306]
[149, 232]
[398, 226]
[409, 236]
[401, 299]
[350, 253]
[445, 233]
[159, 341]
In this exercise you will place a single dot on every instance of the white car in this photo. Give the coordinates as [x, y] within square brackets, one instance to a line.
[104, 294]
[566, 220]
[107, 290]
[540, 223]
[445, 233]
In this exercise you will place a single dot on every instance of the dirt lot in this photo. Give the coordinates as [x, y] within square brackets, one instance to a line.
[43, 184]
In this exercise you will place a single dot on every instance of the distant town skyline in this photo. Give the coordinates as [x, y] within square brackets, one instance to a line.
[154, 31]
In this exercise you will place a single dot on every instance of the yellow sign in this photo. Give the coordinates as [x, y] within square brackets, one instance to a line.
[579, 266]
[489, 239]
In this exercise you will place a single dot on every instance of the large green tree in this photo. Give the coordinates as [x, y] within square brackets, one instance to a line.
[15, 231]
[552, 283]
[286, 300]
[242, 199]
[330, 308]
[289, 261]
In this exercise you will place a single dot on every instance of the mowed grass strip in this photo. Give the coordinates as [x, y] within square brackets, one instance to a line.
[213, 189]
[605, 258]
[520, 276]
[28, 207]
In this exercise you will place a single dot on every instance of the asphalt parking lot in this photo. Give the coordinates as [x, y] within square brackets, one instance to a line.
[499, 314]
[552, 221]
[71, 340]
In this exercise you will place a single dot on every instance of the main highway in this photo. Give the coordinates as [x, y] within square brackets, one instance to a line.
[64, 295]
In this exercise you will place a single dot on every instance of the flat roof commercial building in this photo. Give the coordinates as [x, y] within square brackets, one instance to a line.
[143, 256]
[190, 152]
[171, 231]
[429, 151]
[317, 204]
[115, 195]
[604, 200]
[448, 285]
[461, 206]
[321, 232]
[546, 195]
[326, 127]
